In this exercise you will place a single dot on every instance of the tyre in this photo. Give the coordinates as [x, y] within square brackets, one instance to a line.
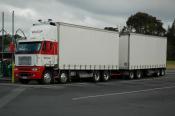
[146, 73]
[157, 73]
[162, 73]
[96, 76]
[63, 77]
[47, 77]
[24, 81]
[105, 76]
[131, 75]
[138, 74]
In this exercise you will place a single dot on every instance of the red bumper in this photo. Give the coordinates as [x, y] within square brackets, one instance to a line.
[29, 72]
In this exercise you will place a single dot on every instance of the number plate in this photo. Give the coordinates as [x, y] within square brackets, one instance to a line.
[24, 77]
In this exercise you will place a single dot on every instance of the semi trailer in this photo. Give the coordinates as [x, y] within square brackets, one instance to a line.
[57, 51]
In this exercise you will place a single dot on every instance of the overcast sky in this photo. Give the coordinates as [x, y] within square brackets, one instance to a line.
[96, 13]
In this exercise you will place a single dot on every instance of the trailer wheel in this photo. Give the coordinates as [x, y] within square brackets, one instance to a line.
[146, 73]
[96, 76]
[162, 73]
[47, 77]
[24, 81]
[138, 74]
[157, 73]
[105, 76]
[131, 75]
[63, 77]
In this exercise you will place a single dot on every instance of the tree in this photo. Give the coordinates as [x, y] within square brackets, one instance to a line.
[145, 24]
[171, 42]
[7, 41]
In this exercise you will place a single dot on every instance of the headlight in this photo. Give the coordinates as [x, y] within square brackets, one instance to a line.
[34, 69]
[15, 69]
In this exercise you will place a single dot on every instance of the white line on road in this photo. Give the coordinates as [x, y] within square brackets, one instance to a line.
[122, 93]
[9, 97]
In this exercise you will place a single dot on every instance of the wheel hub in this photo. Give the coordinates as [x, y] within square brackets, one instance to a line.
[47, 78]
[63, 78]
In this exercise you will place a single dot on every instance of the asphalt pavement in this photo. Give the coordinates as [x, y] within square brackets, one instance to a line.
[144, 97]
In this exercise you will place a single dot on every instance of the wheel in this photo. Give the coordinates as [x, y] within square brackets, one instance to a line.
[63, 77]
[105, 76]
[47, 77]
[131, 75]
[157, 73]
[146, 73]
[138, 74]
[24, 81]
[96, 76]
[162, 73]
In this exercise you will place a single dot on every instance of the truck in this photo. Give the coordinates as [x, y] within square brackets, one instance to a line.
[57, 51]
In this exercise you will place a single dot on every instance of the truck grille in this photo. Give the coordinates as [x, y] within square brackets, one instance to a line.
[25, 74]
[24, 60]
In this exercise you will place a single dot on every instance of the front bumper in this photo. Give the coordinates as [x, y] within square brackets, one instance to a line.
[29, 72]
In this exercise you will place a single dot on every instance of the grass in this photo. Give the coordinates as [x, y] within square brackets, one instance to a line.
[170, 64]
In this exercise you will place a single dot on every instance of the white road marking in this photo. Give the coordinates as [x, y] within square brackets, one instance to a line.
[79, 84]
[9, 97]
[121, 93]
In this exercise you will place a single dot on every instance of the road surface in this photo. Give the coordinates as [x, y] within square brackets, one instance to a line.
[144, 97]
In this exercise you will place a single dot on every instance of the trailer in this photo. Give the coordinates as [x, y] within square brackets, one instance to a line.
[61, 51]
[142, 55]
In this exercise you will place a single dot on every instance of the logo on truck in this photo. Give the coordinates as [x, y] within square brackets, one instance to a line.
[37, 31]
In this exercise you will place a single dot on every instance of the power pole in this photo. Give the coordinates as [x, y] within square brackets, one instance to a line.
[173, 28]
[2, 50]
[13, 41]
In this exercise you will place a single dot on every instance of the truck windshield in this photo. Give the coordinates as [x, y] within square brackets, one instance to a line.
[28, 47]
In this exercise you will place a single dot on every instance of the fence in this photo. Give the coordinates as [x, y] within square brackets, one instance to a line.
[6, 57]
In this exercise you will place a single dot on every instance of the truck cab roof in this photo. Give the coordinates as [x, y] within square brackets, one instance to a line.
[42, 33]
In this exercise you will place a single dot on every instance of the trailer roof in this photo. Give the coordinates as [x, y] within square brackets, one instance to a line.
[132, 33]
[85, 27]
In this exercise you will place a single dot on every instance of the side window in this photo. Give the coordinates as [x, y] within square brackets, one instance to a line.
[44, 46]
[51, 45]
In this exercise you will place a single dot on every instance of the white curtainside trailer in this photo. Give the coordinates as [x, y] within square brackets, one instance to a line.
[86, 48]
[141, 55]
[87, 52]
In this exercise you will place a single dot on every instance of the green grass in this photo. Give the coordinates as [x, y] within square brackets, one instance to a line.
[171, 64]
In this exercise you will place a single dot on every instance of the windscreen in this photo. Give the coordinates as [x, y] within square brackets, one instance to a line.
[28, 47]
